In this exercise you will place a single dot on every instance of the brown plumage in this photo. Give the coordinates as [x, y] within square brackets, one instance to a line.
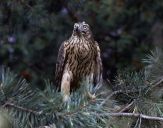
[78, 59]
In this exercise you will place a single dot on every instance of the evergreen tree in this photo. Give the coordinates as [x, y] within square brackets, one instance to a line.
[30, 34]
[132, 101]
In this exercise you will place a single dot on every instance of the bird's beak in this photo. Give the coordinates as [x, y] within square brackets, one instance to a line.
[77, 30]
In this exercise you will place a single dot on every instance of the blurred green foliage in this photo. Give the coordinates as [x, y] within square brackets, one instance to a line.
[32, 31]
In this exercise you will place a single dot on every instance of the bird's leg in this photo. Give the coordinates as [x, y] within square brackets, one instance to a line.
[65, 86]
[91, 96]
[89, 80]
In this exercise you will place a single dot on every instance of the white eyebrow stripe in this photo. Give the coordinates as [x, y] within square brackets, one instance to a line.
[86, 25]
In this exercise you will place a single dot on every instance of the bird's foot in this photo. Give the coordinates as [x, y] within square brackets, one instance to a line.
[91, 96]
[66, 98]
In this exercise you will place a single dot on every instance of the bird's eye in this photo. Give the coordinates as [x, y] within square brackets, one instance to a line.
[76, 25]
[85, 27]
[84, 22]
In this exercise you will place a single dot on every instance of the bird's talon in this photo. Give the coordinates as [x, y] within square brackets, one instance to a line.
[92, 96]
[66, 98]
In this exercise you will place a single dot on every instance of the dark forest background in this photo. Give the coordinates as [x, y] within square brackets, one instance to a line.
[32, 31]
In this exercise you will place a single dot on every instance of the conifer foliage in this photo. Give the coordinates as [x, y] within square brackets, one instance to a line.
[136, 100]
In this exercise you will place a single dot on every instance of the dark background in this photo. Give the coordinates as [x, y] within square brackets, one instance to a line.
[32, 31]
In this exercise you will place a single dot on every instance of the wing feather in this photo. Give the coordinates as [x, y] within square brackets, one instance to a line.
[98, 66]
[60, 64]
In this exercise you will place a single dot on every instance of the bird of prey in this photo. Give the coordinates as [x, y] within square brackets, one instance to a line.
[78, 59]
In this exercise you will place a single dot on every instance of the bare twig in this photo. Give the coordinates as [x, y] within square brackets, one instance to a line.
[131, 115]
[109, 96]
[158, 83]
[21, 108]
[77, 110]
[50, 126]
[115, 93]
[91, 101]
[126, 107]
[119, 114]
[140, 120]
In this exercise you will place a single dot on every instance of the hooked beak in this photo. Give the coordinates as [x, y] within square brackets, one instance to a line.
[77, 30]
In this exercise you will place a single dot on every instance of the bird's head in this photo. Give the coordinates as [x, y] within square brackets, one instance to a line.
[82, 29]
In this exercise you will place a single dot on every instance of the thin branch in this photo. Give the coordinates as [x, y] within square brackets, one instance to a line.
[131, 115]
[140, 121]
[119, 114]
[21, 108]
[77, 110]
[126, 107]
[50, 126]
[158, 83]
[108, 97]
[91, 101]
[115, 93]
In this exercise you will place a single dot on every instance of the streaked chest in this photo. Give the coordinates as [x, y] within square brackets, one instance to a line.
[81, 50]
[81, 57]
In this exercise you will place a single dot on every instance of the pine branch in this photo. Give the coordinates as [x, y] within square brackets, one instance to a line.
[20, 108]
[131, 115]
[19, 98]
[121, 114]
[109, 96]
[126, 107]
[157, 83]
[115, 93]
[81, 107]
[101, 104]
